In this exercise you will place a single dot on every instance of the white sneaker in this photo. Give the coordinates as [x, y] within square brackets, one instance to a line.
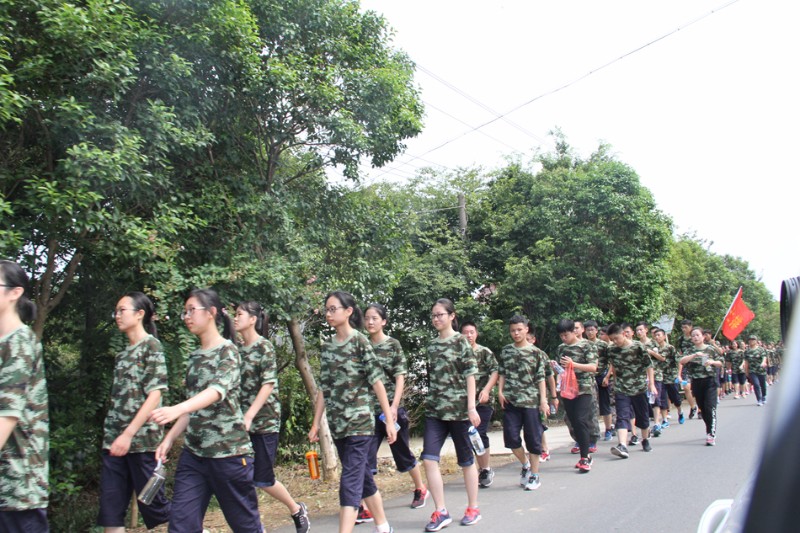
[525, 475]
[533, 482]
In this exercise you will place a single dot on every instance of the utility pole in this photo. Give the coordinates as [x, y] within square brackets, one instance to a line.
[462, 214]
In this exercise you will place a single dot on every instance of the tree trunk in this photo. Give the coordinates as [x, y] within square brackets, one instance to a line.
[329, 466]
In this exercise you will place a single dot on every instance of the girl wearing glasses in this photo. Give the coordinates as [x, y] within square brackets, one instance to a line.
[24, 423]
[217, 458]
[130, 441]
[261, 405]
[348, 370]
[450, 410]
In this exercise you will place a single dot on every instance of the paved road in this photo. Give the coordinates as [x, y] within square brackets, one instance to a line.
[665, 490]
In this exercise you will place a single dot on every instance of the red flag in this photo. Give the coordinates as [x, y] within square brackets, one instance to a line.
[737, 318]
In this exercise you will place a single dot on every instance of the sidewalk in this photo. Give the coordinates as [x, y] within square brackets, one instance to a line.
[557, 437]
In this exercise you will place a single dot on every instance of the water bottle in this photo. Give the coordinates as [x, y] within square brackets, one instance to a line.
[552, 409]
[475, 440]
[651, 398]
[312, 458]
[543, 420]
[558, 368]
[382, 418]
[154, 484]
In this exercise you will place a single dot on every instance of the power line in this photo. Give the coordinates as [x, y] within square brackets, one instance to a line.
[495, 139]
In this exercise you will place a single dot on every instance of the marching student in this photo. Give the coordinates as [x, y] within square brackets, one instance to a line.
[755, 363]
[486, 379]
[550, 385]
[261, 406]
[603, 391]
[350, 378]
[734, 360]
[129, 439]
[669, 391]
[217, 458]
[580, 410]
[684, 346]
[630, 365]
[24, 419]
[702, 364]
[651, 347]
[393, 362]
[522, 395]
[450, 410]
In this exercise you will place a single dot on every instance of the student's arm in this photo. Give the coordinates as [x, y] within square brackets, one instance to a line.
[501, 383]
[399, 387]
[608, 375]
[261, 398]
[485, 394]
[543, 407]
[383, 399]
[122, 443]
[166, 444]
[654, 353]
[7, 425]
[201, 400]
[651, 380]
[551, 382]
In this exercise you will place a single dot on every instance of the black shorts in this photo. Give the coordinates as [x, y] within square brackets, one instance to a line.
[265, 446]
[525, 419]
[629, 407]
[119, 477]
[403, 457]
[356, 482]
[437, 430]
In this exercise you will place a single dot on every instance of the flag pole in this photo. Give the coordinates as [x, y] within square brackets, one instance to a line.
[739, 292]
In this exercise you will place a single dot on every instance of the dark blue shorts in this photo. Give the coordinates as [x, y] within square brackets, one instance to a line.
[662, 400]
[525, 420]
[404, 458]
[485, 411]
[28, 521]
[356, 482]
[740, 378]
[230, 479]
[629, 407]
[265, 446]
[437, 430]
[603, 396]
[119, 477]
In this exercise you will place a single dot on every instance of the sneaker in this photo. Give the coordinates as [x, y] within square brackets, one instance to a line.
[620, 450]
[300, 518]
[633, 441]
[646, 445]
[575, 448]
[656, 431]
[544, 457]
[613, 431]
[593, 447]
[664, 424]
[438, 521]
[486, 478]
[533, 482]
[584, 465]
[364, 515]
[607, 436]
[524, 474]
[391, 530]
[736, 396]
[759, 404]
[422, 495]
[681, 418]
[693, 412]
[471, 516]
[711, 440]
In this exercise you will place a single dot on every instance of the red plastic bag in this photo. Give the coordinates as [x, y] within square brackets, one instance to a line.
[569, 383]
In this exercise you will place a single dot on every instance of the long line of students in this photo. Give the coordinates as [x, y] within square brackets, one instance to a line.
[231, 418]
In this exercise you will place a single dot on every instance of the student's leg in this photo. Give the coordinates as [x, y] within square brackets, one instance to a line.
[432, 441]
[116, 487]
[141, 467]
[29, 520]
[756, 386]
[404, 458]
[710, 408]
[265, 447]
[512, 425]
[353, 453]
[231, 481]
[594, 431]
[466, 459]
[532, 431]
[762, 379]
[485, 412]
[581, 432]
[624, 415]
[640, 404]
[190, 494]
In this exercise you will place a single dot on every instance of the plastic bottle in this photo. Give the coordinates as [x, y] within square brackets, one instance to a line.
[651, 398]
[475, 440]
[153, 484]
[552, 409]
[382, 418]
[312, 458]
[558, 368]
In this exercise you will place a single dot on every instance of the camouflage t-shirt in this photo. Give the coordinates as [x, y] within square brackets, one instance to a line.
[771, 357]
[23, 395]
[138, 370]
[658, 368]
[630, 367]
[393, 362]
[582, 352]
[450, 361]
[669, 367]
[698, 368]
[601, 348]
[685, 345]
[735, 358]
[348, 371]
[487, 365]
[217, 430]
[754, 356]
[522, 369]
[259, 369]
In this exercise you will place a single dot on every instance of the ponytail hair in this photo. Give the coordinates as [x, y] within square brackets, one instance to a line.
[254, 308]
[209, 298]
[450, 307]
[13, 276]
[346, 299]
[142, 303]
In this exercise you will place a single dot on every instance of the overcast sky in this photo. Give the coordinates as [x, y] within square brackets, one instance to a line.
[708, 116]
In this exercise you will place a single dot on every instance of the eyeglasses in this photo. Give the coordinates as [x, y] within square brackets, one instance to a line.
[117, 312]
[8, 286]
[435, 316]
[332, 309]
[189, 312]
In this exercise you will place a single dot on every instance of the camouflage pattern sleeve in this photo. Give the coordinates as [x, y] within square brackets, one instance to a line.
[582, 352]
[754, 357]
[630, 366]
[259, 368]
[487, 365]
[670, 366]
[23, 395]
